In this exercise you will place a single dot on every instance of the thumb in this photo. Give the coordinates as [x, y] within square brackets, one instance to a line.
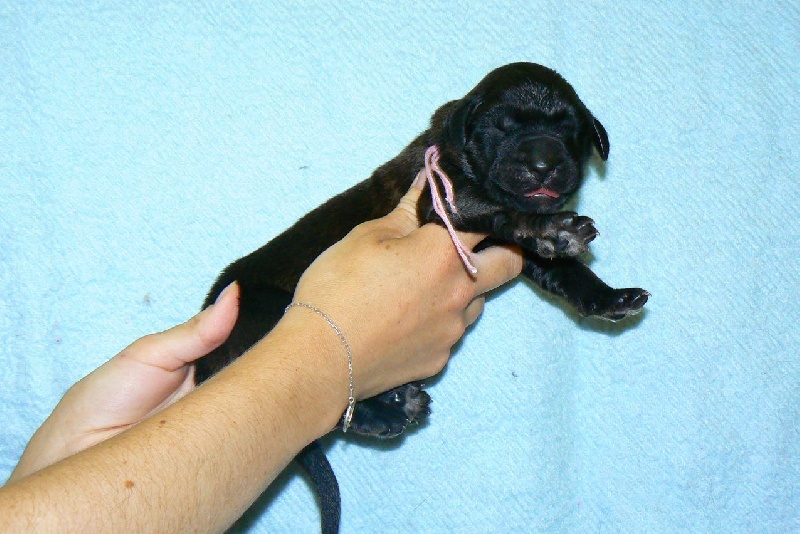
[404, 216]
[172, 349]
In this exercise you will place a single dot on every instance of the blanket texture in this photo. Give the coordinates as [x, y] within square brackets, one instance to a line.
[144, 147]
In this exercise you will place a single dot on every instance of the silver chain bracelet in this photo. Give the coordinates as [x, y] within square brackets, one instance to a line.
[351, 400]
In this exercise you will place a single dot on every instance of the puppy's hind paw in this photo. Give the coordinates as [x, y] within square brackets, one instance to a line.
[387, 415]
[618, 304]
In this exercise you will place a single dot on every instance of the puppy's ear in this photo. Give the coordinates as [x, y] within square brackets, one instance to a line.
[458, 125]
[600, 139]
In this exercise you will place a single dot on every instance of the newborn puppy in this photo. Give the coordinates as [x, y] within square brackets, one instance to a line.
[514, 148]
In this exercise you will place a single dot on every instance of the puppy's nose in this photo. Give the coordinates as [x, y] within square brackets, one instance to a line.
[544, 165]
[543, 154]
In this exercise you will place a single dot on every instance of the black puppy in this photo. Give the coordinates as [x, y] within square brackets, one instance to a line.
[515, 148]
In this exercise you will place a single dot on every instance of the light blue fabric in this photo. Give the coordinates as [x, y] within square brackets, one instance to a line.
[144, 148]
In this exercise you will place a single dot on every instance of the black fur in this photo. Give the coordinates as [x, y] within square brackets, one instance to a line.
[515, 148]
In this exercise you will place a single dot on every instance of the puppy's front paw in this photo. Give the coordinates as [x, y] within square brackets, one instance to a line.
[618, 304]
[564, 234]
[387, 415]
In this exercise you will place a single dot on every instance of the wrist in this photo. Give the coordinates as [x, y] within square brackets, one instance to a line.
[351, 398]
[303, 356]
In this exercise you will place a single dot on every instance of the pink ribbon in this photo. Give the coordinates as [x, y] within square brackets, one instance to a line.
[432, 167]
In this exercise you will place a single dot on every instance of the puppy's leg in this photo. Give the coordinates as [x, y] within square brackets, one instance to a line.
[575, 282]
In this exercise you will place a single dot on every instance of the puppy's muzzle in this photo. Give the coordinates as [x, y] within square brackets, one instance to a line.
[541, 154]
[542, 157]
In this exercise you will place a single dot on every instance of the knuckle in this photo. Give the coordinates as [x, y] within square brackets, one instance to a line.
[515, 264]
[208, 338]
[462, 295]
[506, 265]
[362, 229]
[438, 362]
[477, 305]
[141, 348]
[141, 345]
[455, 330]
[407, 208]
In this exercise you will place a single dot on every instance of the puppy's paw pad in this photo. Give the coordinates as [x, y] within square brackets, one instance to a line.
[388, 415]
[623, 303]
[413, 400]
[385, 426]
[566, 234]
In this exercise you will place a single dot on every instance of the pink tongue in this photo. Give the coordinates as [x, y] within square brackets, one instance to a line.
[543, 191]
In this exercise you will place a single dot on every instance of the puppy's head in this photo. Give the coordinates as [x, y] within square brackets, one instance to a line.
[523, 135]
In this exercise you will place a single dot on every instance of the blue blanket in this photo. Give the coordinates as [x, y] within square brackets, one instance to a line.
[144, 148]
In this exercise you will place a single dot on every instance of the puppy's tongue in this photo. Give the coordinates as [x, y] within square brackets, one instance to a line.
[543, 191]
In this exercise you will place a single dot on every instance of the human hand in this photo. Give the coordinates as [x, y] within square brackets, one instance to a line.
[401, 295]
[146, 377]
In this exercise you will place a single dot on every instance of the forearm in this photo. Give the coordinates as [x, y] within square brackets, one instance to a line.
[402, 298]
[197, 465]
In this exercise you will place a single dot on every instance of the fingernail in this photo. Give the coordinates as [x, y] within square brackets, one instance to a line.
[419, 181]
[225, 291]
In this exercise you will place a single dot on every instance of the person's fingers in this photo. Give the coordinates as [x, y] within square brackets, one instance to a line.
[420, 180]
[182, 344]
[496, 266]
[403, 220]
[474, 310]
[471, 239]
